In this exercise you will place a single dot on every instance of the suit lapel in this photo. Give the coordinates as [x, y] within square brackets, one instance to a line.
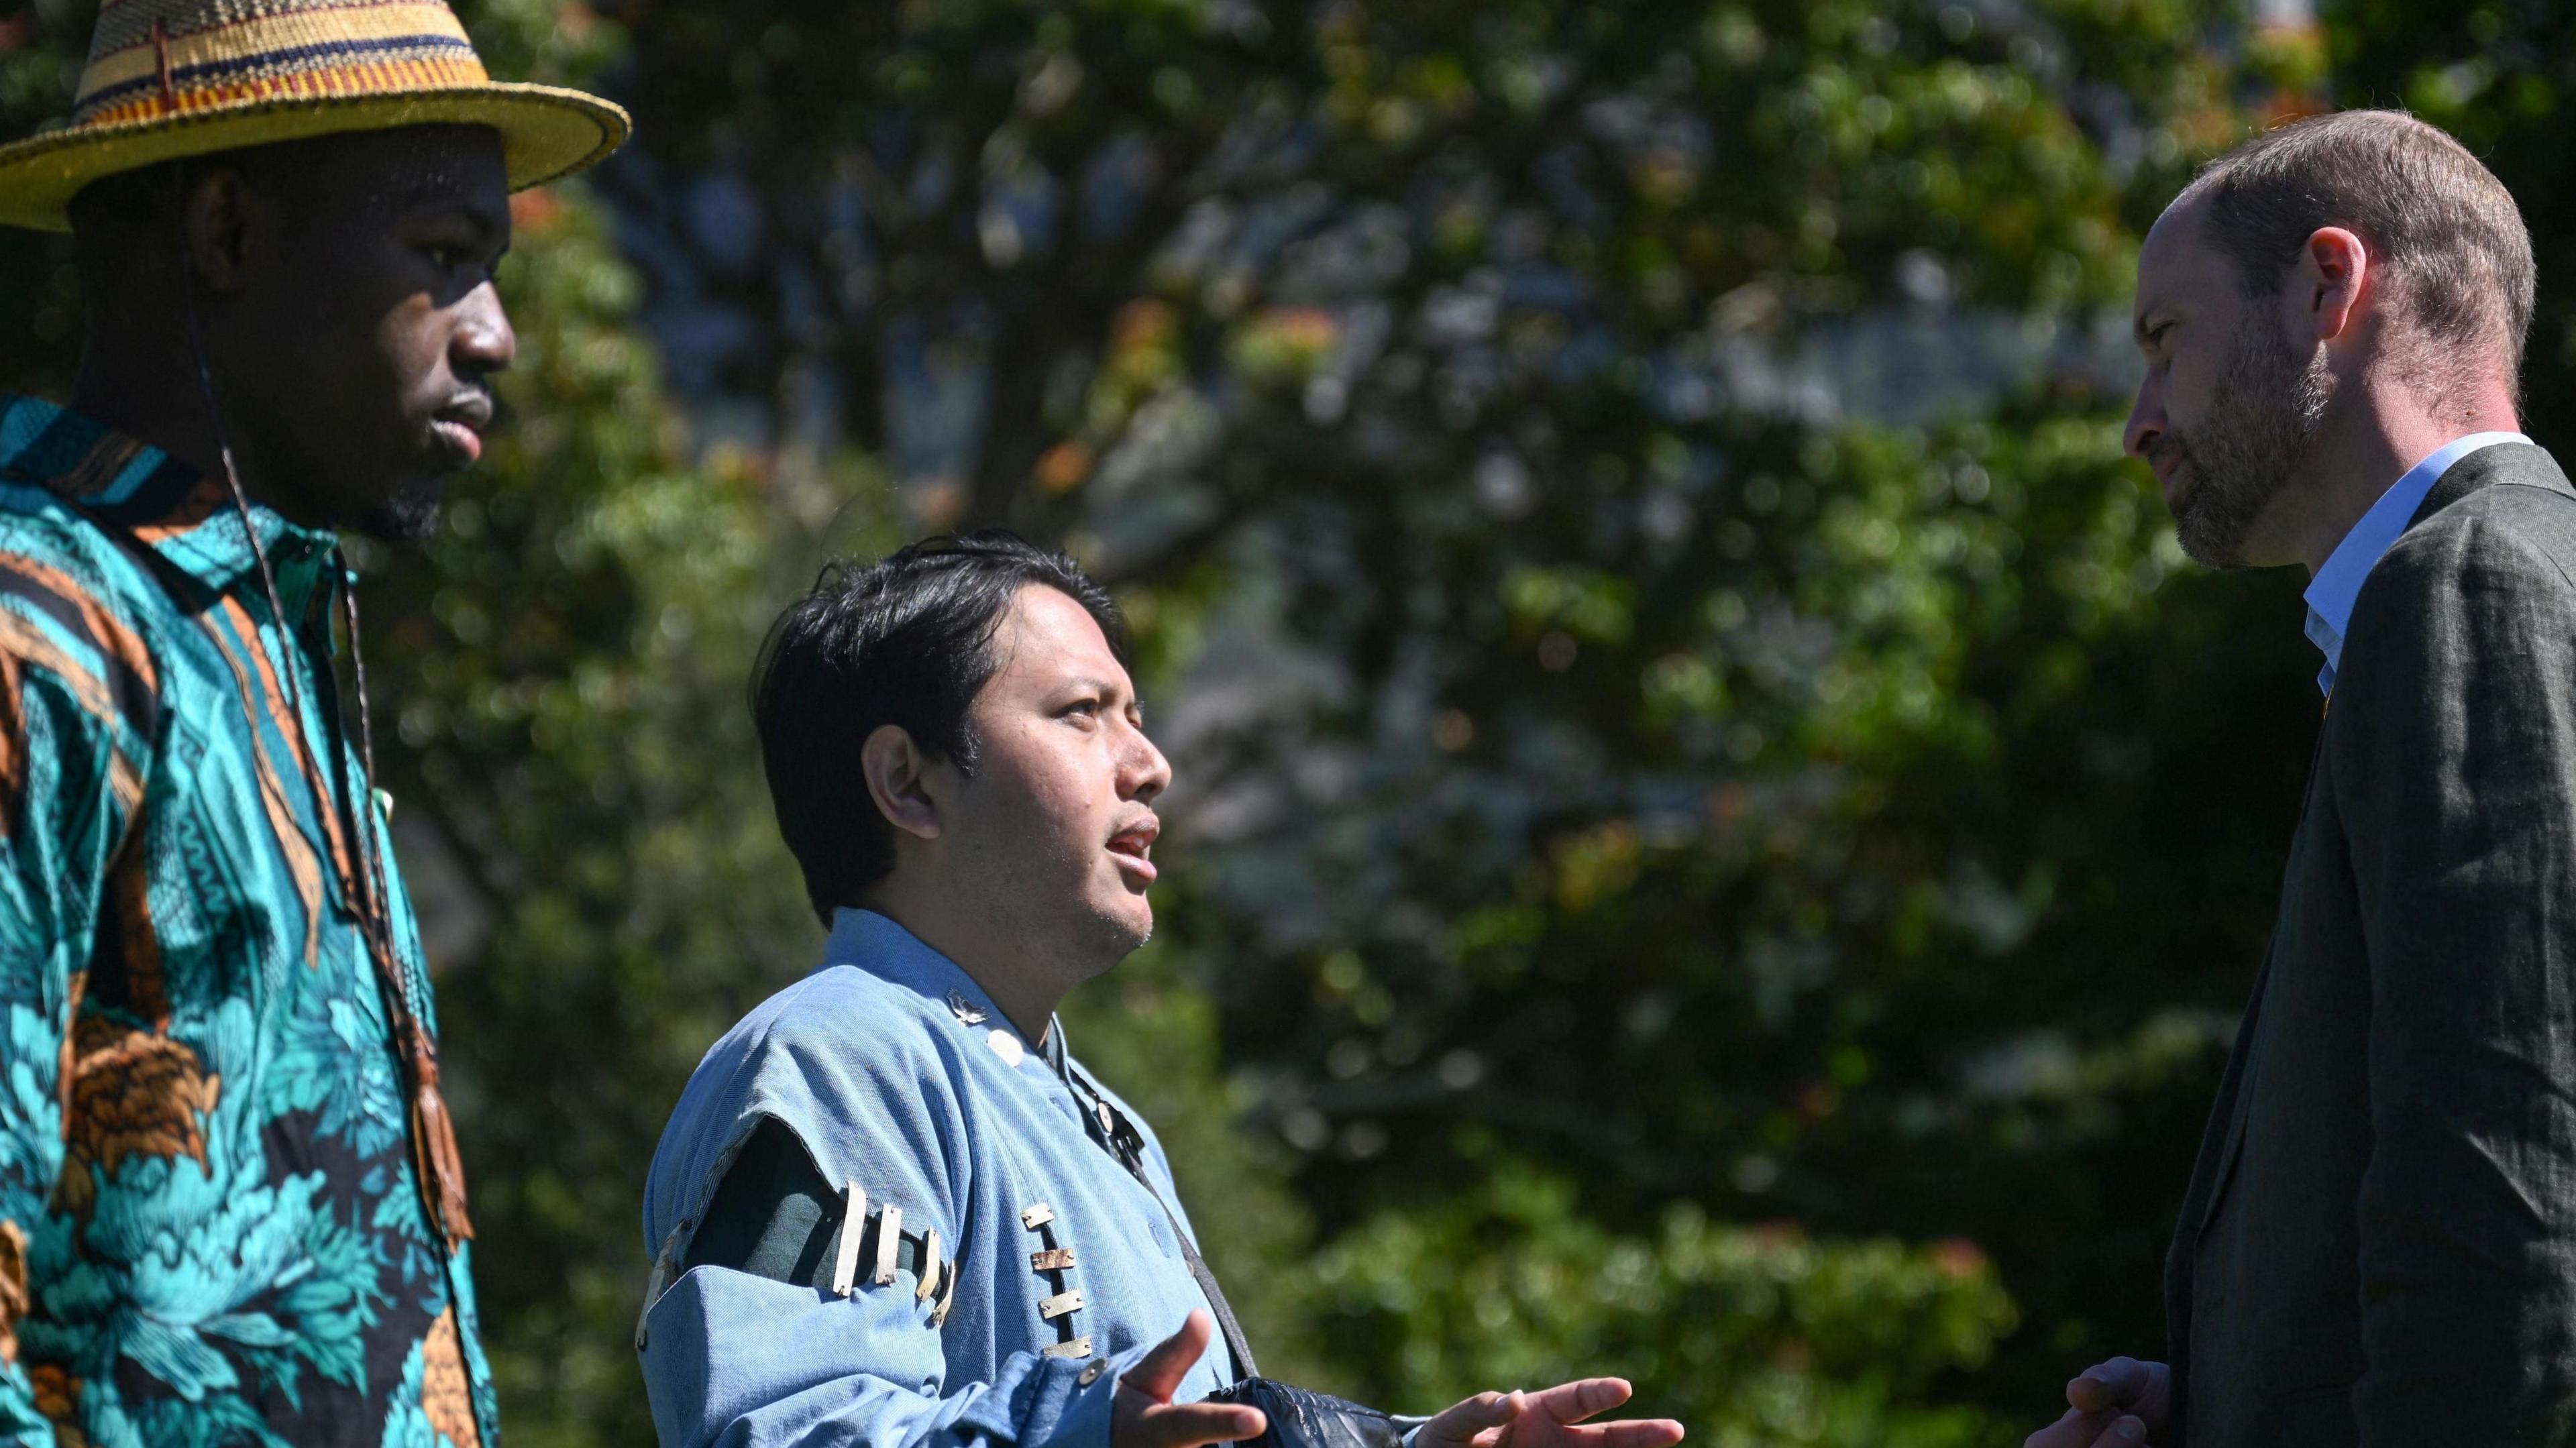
[2235, 1096]
[2219, 1146]
[2223, 1143]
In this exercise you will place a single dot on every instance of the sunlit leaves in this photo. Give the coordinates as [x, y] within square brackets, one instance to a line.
[1749, 1335]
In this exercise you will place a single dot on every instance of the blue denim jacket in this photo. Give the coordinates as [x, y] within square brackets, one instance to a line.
[901, 1077]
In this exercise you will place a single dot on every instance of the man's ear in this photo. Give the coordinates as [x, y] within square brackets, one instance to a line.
[895, 768]
[2336, 273]
[218, 219]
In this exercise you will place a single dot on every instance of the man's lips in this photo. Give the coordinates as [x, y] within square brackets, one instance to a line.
[458, 438]
[1133, 848]
[2170, 480]
[460, 425]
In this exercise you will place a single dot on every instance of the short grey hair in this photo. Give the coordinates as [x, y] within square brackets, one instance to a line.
[2460, 274]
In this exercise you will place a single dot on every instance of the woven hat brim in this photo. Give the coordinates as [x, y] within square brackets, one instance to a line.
[547, 133]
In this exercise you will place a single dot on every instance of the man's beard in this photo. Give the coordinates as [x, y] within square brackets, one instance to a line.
[409, 515]
[2269, 407]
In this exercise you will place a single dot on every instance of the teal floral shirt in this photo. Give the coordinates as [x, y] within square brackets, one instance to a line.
[210, 1227]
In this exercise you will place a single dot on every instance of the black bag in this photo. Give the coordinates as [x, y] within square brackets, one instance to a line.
[1302, 1418]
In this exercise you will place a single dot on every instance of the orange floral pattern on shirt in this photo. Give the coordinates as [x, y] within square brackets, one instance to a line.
[132, 1093]
[13, 1287]
[58, 1398]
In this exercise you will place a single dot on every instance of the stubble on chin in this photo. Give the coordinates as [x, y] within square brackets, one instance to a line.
[1047, 905]
[1109, 932]
[1113, 938]
[2246, 453]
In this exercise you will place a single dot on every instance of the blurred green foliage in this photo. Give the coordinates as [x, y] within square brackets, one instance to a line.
[1683, 864]
[1750, 1335]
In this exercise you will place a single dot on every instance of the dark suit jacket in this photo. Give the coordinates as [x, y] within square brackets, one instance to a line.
[2379, 1243]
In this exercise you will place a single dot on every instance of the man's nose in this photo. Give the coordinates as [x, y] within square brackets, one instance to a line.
[2146, 420]
[1147, 772]
[483, 340]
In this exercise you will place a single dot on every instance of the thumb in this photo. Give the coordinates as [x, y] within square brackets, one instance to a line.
[1463, 1421]
[2114, 1384]
[1159, 1372]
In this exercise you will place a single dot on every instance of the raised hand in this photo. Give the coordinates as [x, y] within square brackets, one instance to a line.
[1144, 1416]
[2118, 1404]
[1549, 1418]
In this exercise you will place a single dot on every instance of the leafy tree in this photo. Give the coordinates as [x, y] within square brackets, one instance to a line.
[1715, 839]
[1594, 733]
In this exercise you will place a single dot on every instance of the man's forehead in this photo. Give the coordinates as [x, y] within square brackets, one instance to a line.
[1048, 633]
[2175, 244]
[401, 169]
[449, 166]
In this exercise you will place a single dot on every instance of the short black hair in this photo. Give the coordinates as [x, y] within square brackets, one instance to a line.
[907, 641]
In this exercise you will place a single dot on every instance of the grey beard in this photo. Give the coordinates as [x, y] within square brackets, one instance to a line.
[2271, 407]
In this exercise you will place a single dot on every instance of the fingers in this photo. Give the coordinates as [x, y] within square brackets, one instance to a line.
[1627, 1433]
[2119, 1383]
[1461, 1423]
[1158, 1373]
[1573, 1402]
[1191, 1425]
[2077, 1429]
[2080, 1429]
[1552, 1418]
[1148, 1418]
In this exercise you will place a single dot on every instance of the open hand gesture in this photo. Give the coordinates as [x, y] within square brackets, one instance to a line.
[1143, 1414]
[1549, 1418]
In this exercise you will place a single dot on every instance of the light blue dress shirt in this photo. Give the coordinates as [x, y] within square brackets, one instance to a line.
[2332, 592]
[900, 1075]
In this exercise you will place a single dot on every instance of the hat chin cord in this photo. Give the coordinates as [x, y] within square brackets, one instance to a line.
[436, 1159]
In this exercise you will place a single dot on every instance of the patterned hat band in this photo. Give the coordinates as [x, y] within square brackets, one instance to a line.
[142, 66]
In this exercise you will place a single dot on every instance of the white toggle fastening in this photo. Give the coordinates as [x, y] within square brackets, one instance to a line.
[1091, 1374]
[1036, 1215]
[889, 1236]
[1057, 1306]
[845, 1267]
[930, 1267]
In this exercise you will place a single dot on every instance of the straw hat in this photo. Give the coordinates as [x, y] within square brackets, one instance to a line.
[172, 78]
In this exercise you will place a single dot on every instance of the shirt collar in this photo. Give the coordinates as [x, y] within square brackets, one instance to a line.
[2337, 586]
[876, 944]
[55, 454]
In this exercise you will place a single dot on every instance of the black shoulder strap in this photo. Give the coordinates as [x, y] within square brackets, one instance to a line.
[1109, 1127]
